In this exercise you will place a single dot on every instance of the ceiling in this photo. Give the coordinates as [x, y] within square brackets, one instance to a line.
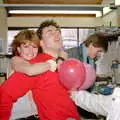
[54, 5]
[53, 1]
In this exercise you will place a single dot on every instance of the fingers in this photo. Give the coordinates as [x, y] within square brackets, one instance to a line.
[53, 65]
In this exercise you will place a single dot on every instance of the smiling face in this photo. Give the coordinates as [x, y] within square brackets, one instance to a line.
[28, 50]
[51, 38]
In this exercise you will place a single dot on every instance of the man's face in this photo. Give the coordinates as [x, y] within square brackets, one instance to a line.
[51, 38]
[94, 52]
[28, 50]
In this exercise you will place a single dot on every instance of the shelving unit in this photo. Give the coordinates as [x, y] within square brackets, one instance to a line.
[4, 66]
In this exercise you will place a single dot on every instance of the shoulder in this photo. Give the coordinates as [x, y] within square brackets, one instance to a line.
[63, 54]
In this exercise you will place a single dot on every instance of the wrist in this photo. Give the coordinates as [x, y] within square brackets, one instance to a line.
[59, 59]
[48, 65]
[53, 65]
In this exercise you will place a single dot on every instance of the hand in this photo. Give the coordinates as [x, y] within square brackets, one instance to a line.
[59, 60]
[53, 65]
[72, 94]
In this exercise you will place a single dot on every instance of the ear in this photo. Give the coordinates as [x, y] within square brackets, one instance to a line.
[41, 43]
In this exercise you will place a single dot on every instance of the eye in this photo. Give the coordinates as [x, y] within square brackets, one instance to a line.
[34, 46]
[58, 29]
[100, 51]
[49, 31]
[52, 31]
[26, 46]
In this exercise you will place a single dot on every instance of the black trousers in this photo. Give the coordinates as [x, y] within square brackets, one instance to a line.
[86, 114]
[32, 117]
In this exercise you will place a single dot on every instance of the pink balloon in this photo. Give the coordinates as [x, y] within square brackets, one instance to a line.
[89, 78]
[71, 73]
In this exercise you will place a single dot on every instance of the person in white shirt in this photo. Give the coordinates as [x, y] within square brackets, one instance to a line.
[105, 105]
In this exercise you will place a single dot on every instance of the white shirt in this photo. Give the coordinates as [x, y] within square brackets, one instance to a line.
[106, 105]
[24, 107]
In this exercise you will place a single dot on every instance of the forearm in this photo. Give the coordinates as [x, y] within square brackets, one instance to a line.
[114, 112]
[35, 69]
[98, 104]
[20, 65]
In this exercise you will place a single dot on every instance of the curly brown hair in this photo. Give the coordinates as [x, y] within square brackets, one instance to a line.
[23, 37]
[44, 24]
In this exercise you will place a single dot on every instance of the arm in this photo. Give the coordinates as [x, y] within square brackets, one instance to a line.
[114, 113]
[98, 104]
[23, 66]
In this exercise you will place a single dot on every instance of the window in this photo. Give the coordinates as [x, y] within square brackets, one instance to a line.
[69, 37]
[72, 37]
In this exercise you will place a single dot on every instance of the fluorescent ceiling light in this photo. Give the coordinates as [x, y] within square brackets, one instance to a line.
[117, 2]
[98, 13]
[106, 10]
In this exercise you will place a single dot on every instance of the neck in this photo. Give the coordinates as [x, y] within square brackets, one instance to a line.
[87, 51]
[53, 53]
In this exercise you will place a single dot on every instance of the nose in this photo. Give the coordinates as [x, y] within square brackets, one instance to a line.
[31, 49]
[57, 32]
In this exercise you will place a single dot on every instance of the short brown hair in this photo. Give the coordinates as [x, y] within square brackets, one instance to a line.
[23, 37]
[97, 40]
[44, 24]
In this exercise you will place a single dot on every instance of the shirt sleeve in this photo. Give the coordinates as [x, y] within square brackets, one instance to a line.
[114, 112]
[97, 104]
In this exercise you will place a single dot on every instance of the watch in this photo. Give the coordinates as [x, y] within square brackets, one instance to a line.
[59, 58]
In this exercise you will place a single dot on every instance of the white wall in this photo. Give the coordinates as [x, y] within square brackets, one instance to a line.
[118, 19]
[62, 21]
[113, 17]
[3, 26]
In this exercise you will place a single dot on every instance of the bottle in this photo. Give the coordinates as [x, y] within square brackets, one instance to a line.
[114, 68]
